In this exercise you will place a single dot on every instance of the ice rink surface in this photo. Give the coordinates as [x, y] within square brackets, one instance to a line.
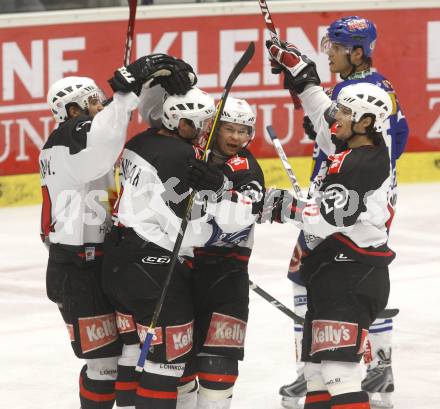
[39, 370]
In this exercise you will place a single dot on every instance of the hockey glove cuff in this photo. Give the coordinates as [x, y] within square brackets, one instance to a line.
[298, 69]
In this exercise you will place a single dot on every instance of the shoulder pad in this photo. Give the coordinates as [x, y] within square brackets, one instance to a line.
[237, 163]
[336, 162]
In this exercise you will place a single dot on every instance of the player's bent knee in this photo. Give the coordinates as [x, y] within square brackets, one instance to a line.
[341, 377]
[102, 369]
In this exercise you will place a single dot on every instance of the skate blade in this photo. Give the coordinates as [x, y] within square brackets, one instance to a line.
[383, 403]
[291, 402]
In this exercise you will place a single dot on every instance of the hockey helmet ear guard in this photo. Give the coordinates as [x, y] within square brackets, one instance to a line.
[351, 32]
[196, 106]
[356, 100]
[78, 90]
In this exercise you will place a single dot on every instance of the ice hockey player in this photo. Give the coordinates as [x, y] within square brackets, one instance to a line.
[220, 273]
[349, 43]
[345, 227]
[76, 167]
[148, 215]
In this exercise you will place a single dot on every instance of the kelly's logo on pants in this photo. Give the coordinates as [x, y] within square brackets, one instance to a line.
[332, 335]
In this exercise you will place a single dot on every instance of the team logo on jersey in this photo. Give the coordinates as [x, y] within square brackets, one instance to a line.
[328, 335]
[226, 331]
[342, 257]
[156, 259]
[238, 163]
[81, 125]
[335, 197]
[336, 162]
[179, 340]
[97, 332]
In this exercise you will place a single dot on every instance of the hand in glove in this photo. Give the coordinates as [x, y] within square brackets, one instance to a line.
[299, 69]
[205, 176]
[180, 81]
[279, 206]
[146, 68]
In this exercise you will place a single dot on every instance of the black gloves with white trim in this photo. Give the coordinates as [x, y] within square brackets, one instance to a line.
[299, 70]
[280, 206]
[173, 74]
[206, 177]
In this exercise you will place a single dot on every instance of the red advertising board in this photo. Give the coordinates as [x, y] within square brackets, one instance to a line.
[407, 53]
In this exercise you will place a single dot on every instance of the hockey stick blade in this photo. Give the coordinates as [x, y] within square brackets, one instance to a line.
[238, 68]
[282, 155]
[280, 306]
[388, 313]
[241, 64]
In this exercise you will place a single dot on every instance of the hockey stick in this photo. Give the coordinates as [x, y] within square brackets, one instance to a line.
[241, 64]
[282, 155]
[276, 303]
[388, 313]
[132, 4]
[273, 33]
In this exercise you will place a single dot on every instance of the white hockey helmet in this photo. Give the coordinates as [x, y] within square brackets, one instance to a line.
[71, 90]
[365, 98]
[196, 106]
[238, 111]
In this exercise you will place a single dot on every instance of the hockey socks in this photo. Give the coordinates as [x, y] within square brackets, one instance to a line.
[126, 386]
[317, 400]
[95, 394]
[217, 376]
[352, 400]
[128, 379]
[158, 385]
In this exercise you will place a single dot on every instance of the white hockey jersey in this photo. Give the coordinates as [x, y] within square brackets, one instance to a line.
[154, 193]
[76, 170]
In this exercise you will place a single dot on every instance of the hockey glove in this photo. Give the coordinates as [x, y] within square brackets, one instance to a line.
[279, 206]
[144, 69]
[299, 70]
[180, 81]
[203, 176]
[308, 128]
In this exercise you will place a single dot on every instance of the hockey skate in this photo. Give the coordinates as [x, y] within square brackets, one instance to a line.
[291, 394]
[380, 381]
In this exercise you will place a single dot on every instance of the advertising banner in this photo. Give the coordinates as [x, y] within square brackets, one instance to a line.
[33, 57]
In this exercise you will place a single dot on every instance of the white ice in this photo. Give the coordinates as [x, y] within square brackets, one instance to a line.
[39, 370]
